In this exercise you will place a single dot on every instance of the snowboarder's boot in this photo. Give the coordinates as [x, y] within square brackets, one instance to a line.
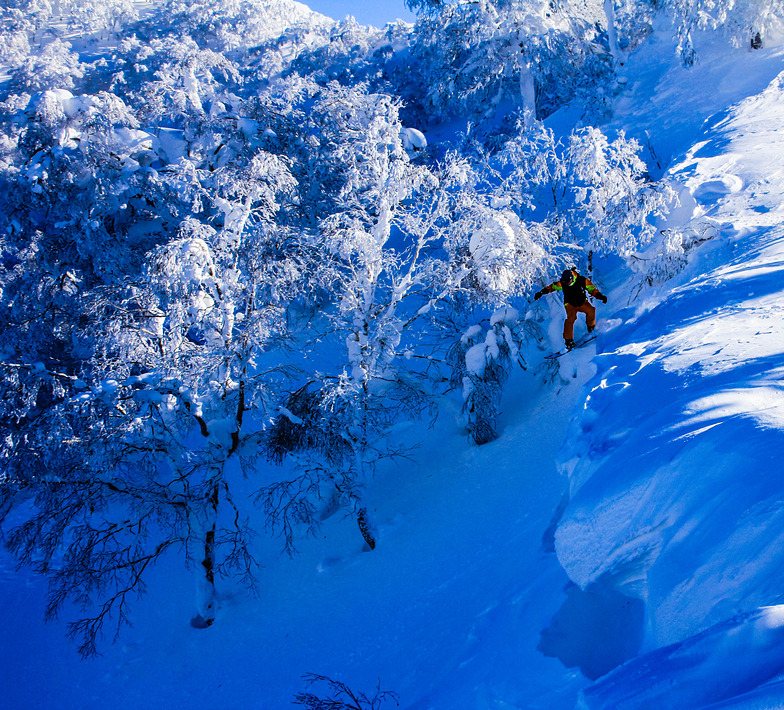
[590, 328]
[569, 343]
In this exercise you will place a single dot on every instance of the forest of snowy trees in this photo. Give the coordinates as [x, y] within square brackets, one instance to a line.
[232, 262]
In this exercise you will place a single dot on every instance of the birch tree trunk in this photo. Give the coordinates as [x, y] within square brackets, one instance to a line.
[207, 596]
[612, 34]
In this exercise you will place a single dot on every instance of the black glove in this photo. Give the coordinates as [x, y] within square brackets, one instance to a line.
[537, 295]
[602, 297]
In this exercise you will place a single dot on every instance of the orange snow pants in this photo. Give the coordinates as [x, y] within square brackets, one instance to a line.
[571, 317]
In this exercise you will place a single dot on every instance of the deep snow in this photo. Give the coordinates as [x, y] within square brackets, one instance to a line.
[447, 607]
[675, 496]
[656, 447]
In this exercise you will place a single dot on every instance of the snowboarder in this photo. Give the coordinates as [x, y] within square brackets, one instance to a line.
[574, 287]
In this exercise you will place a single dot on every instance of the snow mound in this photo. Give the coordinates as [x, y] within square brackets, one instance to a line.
[413, 139]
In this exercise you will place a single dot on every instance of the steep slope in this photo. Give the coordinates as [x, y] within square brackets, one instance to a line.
[675, 496]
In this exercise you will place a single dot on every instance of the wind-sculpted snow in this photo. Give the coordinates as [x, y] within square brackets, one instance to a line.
[674, 463]
[722, 662]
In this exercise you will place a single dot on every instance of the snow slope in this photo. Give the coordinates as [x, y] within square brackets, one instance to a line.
[673, 464]
[446, 611]
[722, 662]
[664, 434]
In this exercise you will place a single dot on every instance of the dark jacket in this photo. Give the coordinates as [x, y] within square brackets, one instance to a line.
[577, 293]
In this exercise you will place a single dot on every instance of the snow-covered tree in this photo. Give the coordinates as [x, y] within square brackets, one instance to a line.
[233, 27]
[372, 278]
[78, 213]
[345, 56]
[140, 454]
[483, 56]
[56, 67]
[403, 243]
[177, 79]
[391, 219]
[744, 22]
[587, 193]
[15, 31]
[614, 195]
[97, 17]
[35, 23]
[130, 352]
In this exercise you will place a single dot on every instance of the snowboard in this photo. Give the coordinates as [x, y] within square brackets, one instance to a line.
[578, 344]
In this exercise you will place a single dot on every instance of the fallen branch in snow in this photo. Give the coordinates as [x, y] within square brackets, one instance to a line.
[341, 696]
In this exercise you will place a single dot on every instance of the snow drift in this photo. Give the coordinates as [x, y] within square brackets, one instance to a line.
[673, 462]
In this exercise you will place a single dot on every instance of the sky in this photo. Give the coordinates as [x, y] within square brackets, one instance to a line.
[373, 12]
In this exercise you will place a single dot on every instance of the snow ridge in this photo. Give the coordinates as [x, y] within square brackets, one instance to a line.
[675, 498]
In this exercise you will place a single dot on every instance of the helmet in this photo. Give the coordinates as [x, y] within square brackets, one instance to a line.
[567, 277]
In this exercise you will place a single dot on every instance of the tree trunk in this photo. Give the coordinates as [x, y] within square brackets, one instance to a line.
[206, 615]
[612, 36]
[366, 528]
[528, 93]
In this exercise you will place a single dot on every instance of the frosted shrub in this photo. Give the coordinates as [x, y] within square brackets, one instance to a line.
[340, 696]
[310, 432]
[481, 362]
[309, 421]
[669, 254]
